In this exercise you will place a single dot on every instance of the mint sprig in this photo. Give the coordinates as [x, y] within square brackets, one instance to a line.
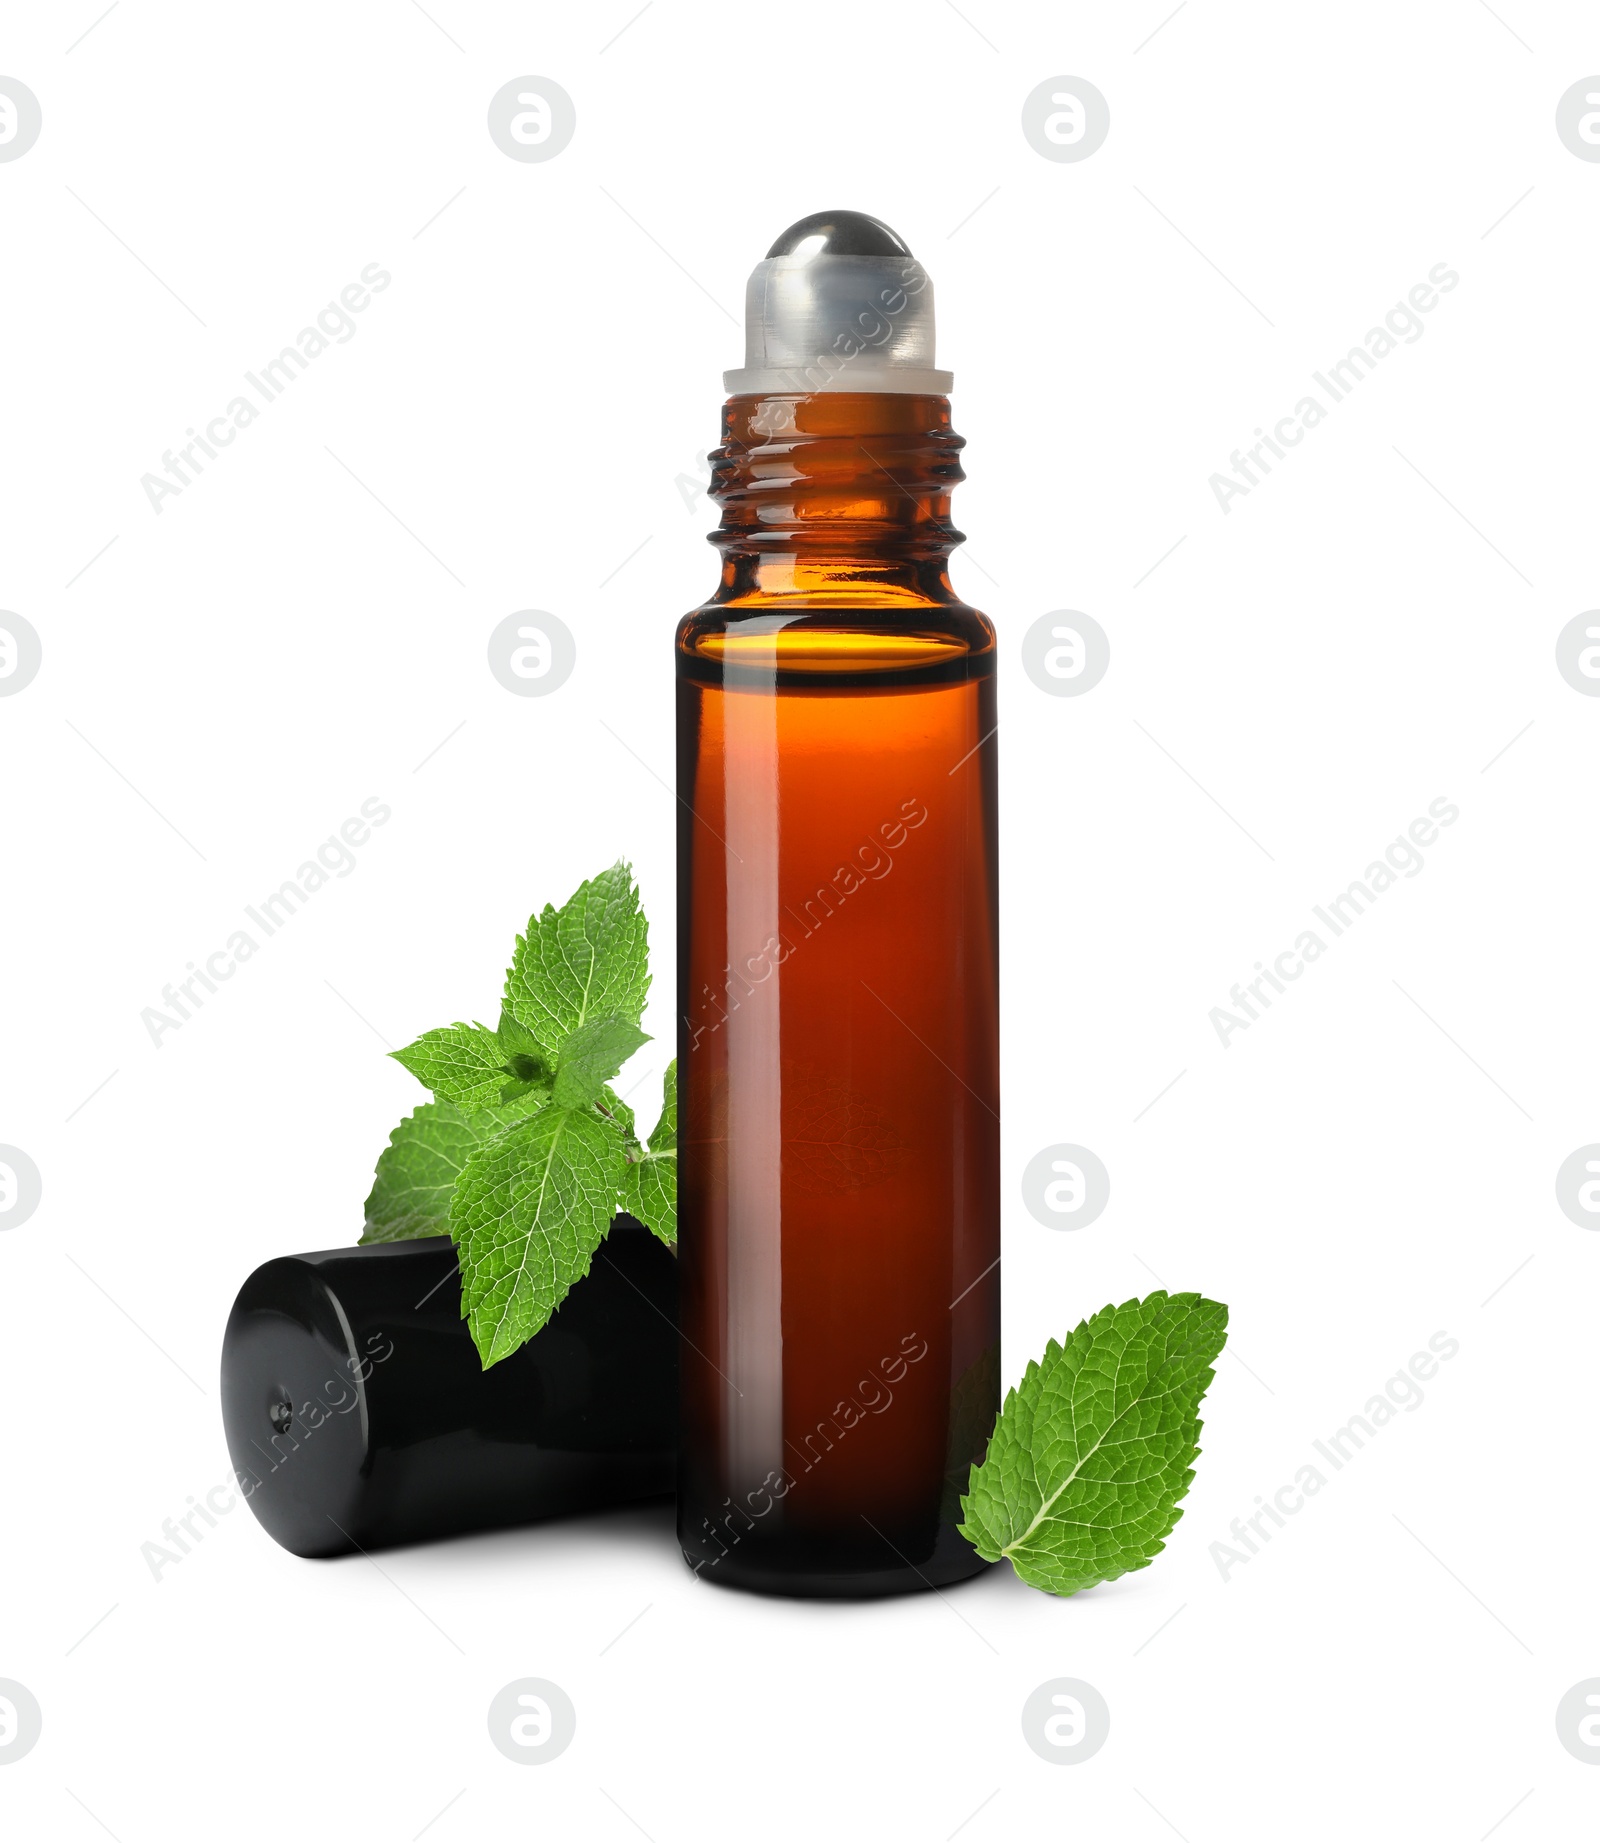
[526, 1154]
[1093, 1449]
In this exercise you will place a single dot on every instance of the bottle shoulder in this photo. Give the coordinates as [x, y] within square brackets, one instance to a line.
[840, 646]
[957, 620]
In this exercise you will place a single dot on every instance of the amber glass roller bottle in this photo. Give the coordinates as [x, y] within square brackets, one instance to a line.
[837, 975]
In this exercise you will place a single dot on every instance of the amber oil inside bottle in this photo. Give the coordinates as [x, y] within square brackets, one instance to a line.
[838, 985]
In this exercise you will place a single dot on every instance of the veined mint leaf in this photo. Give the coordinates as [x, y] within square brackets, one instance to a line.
[515, 1037]
[1092, 1452]
[650, 1189]
[525, 1057]
[588, 959]
[591, 1056]
[418, 1168]
[612, 1107]
[464, 1063]
[528, 1212]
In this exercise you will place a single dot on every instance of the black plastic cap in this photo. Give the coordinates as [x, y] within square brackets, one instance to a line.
[358, 1414]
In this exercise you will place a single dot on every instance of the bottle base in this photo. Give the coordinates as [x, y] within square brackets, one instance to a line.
[803, 1569]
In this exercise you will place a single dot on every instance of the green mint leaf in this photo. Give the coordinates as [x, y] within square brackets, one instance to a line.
[1092, 1452]
[650, 1189]
[612, 1107]
[664, 1137]
[418, 1169]
[528, 1212]
[464, 1063]
[589, 959]
[591, 1056]
[525, 1058]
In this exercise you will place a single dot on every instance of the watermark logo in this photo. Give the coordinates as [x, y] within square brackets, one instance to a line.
[532, 653]
[872, 327]
[1577, 653]
[335, 859]
[21, 653]
[1066, 653]
[694, 480]
[196, 1520]
[1577, 1716]
[20, 1187]
[531, 118]
[21, 1721]
[1402, 325]
[1578, 119]
[1066, 118]
[182, 1534]
[1402, 858]
[1066, 1721]
[1577, 1186]
[873, 1394]
[20, 118]
[1402, 1393]
[532, 1720]
[182, 463]
[870, 862]
[1065, 1187]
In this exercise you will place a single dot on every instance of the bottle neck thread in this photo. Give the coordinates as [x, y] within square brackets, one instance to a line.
[839, 494]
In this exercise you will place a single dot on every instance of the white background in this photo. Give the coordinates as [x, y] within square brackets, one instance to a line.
[1365, 632]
